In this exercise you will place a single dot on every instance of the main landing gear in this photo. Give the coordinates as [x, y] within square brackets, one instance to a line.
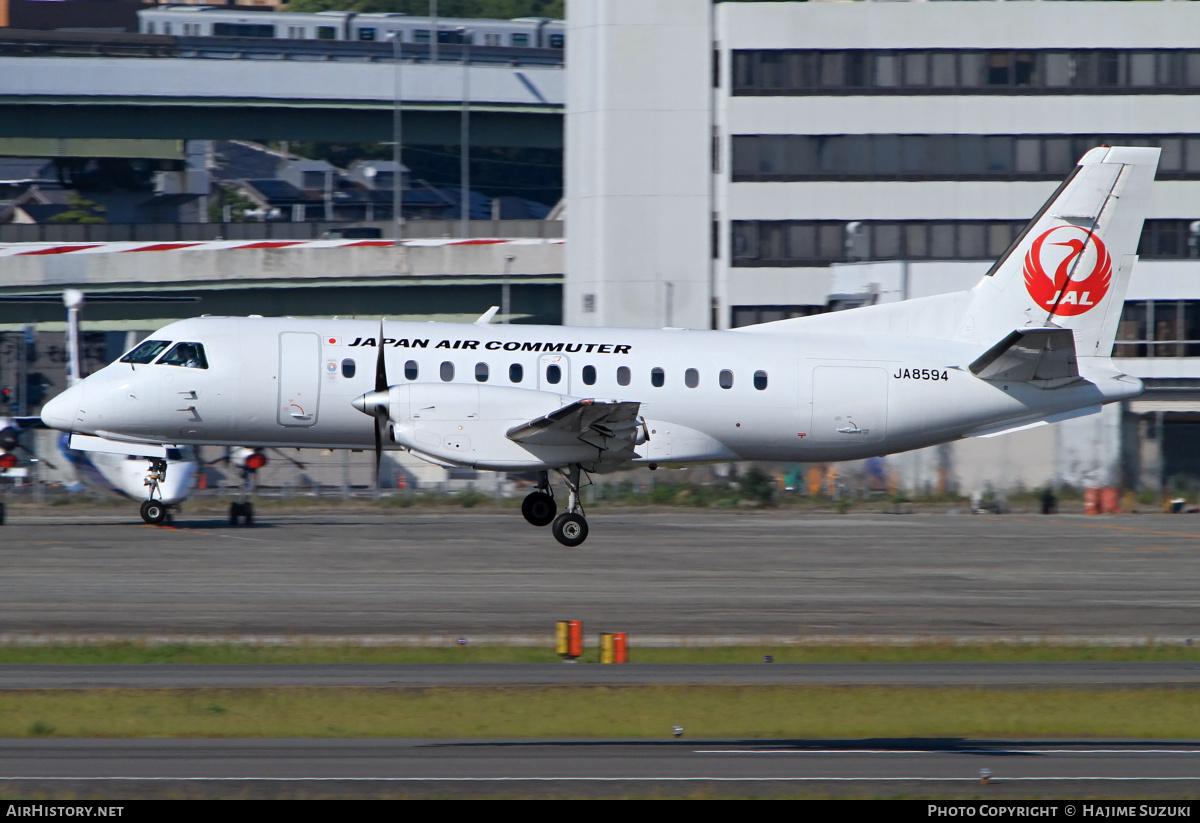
[539, 507]
[569, 528]
[155, 512]
[241, 510]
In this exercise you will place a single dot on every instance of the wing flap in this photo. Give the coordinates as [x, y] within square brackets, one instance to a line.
[611, 425]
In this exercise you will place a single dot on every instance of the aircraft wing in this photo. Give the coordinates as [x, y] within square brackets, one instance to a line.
[1044, 356]
[609, 425]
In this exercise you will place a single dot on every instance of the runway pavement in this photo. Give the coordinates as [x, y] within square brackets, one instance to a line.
[664, 576]
[906, 767]
[1090, 674]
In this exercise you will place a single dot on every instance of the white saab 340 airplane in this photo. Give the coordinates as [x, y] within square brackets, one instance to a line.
[1029, 344]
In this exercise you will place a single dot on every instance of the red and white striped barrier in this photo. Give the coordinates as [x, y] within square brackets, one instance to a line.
[22, 249]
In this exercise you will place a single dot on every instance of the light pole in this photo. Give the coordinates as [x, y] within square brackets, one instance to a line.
[433, 36]
[397, 174]
[464, 163]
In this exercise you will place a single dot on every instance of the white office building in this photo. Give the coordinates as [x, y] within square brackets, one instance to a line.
[737, 162]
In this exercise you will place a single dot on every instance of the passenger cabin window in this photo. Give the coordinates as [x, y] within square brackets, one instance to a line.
[553, 374]
[691, 378]
[589, 375]
[760, 380]
[516, 372]
[326, 33]
[481, 372]
[188, 355]
[658, 377]
[421, 36]
[146, 351]
[623, 376]
[447, 371]
[726, 379]
[366, 34]
[348, 368]
[411, 370]
[518, 40]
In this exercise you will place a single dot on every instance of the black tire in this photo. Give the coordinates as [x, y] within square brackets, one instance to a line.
[248, 514]
[570, 529]
[539, 508]
[153, 512]
[235, 513]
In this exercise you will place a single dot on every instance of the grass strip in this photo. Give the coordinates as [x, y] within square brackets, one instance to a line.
[627, 712]
[241, 653]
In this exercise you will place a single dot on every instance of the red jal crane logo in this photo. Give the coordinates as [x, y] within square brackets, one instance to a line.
[1068, 270]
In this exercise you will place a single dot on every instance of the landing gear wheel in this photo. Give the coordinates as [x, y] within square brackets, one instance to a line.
[539, 508]
[241, 511]
[154, 512]
[570, 529]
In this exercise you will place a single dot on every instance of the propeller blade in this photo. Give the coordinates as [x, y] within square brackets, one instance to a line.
[290, 459]
[381, 410]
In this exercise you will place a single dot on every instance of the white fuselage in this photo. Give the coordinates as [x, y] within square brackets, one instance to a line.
[723, 395]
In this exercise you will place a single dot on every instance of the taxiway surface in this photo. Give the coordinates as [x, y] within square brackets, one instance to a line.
[664, 575]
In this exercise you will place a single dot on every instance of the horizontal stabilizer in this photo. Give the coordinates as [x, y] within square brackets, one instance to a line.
[1045, 356]
[609, 425]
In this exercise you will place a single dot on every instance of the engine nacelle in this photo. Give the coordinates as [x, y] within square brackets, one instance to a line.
[465, 425]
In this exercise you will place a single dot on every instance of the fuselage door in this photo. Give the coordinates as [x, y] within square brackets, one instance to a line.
[554, 373]
[299, 378]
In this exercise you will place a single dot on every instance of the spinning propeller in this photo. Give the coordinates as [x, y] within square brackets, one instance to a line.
[377, 403]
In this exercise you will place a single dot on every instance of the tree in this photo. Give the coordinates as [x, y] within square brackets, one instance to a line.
[81, 210]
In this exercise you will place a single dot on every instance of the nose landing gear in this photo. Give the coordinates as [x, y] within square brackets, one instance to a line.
[155, 512]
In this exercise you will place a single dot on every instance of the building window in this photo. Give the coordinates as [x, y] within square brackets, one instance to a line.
[411, 370]
[447, 371]
[799, 72]
[765, 158]
[589, 375]
[1159, 328]
[757, 243]
[623, 376]
[753, 315]
[481, 372]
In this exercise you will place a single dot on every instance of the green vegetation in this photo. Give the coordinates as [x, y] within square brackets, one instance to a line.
[81, 210]
[238, 654]
[629, 712]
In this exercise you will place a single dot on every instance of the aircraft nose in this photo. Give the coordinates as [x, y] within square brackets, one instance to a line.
[60, 411]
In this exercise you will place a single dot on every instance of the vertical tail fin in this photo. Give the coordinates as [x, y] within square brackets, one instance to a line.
[1070, 266]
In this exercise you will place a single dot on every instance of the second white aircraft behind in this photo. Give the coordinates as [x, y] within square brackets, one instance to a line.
[1029, 344]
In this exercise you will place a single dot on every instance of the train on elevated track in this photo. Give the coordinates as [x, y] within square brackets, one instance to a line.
[217, 21]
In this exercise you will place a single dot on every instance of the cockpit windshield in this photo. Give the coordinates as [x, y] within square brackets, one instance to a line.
[146, 351]
[188, 355]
